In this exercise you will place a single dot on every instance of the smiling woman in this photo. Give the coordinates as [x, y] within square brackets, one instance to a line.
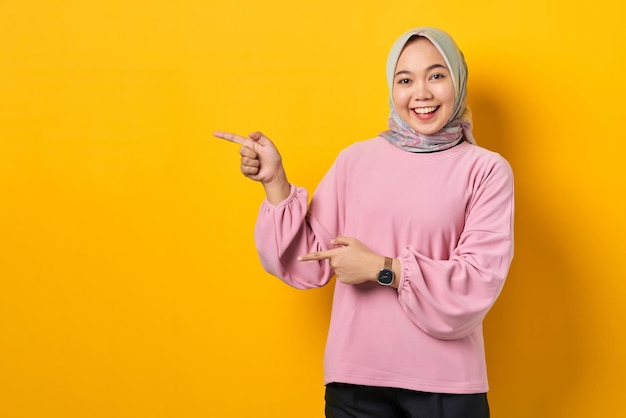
[407, 299]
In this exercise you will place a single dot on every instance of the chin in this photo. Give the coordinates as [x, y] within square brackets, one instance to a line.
[423, 131]
[426, 128]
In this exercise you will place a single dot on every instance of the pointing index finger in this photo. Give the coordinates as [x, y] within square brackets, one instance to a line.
[231, 137]
[318, 255]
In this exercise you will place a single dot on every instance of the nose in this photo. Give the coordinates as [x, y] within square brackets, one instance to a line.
[422, 91]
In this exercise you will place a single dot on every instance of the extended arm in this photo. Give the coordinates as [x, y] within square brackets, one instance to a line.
[282, 231]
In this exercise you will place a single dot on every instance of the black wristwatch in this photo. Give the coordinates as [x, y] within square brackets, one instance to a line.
[385, 276]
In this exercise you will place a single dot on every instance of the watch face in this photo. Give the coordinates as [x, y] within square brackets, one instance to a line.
[385, 277]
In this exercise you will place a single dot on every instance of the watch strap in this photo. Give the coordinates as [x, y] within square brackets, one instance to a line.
[388, 263]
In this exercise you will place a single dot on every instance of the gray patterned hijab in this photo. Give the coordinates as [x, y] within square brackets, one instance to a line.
[460, 124]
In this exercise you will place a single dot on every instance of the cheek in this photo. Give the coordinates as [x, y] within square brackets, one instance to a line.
[400, 99]
[448, 95]
[451, 98]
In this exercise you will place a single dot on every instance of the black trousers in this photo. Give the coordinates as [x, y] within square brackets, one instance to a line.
[355, 401]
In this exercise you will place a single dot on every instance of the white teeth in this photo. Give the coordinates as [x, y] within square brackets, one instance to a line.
[424, 110]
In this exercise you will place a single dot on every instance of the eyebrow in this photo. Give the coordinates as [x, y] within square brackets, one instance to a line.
[431, 67]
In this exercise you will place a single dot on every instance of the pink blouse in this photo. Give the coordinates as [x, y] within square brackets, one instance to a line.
[447, 216]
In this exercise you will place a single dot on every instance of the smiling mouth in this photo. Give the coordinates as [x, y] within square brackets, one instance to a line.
[425, 110]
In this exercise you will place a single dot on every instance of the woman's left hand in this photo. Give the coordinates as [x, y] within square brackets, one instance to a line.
[352, 261]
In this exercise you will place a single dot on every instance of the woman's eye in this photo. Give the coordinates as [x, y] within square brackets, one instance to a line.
[437, 76]
[404, 81]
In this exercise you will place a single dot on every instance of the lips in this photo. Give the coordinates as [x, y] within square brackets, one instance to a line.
[425, 113]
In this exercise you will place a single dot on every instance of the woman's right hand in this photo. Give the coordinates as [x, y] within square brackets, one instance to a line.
[261, 161]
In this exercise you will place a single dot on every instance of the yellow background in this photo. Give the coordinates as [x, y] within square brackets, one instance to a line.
[129, 283]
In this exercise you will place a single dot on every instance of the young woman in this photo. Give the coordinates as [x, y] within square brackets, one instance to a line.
[417, 226]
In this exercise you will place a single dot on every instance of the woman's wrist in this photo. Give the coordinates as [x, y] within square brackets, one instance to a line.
[278, 189]
[394, 267]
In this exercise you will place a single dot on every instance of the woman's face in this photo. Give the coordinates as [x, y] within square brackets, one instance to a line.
[423, 91]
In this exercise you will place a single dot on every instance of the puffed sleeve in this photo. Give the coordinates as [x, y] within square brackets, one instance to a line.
[448, 299]
[290, 229]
